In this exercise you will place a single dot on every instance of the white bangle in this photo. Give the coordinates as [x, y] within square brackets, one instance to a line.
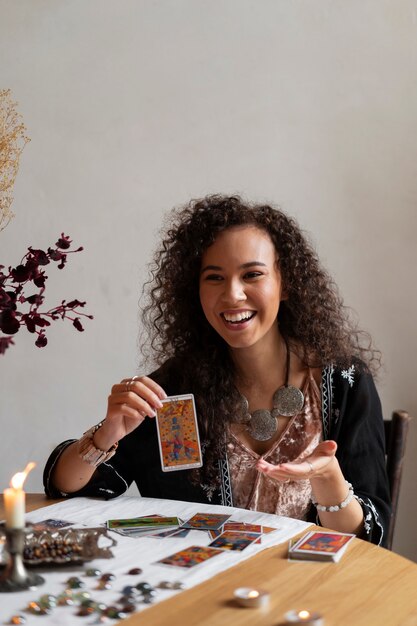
[337, 507]
[88, 452]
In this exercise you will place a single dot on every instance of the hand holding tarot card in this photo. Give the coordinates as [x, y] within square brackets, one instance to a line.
[179, 441]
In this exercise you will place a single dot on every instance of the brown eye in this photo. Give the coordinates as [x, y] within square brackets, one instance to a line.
[250, 275]
[214, 277]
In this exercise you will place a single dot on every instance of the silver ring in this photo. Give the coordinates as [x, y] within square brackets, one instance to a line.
[311, 466]
[129, 383]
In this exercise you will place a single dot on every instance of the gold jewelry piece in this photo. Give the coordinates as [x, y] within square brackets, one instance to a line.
[88, 452]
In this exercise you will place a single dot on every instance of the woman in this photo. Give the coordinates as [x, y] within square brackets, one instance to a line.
[241, 314]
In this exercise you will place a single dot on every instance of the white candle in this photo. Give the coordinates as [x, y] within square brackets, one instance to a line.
[14, 499]
[304, 617]
[254, 598]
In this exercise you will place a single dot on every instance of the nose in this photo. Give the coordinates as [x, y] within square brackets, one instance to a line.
[234, 291]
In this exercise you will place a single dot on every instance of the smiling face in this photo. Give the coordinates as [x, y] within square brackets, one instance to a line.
[241, 286]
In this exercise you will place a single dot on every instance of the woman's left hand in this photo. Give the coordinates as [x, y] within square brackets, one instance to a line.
[317, 464]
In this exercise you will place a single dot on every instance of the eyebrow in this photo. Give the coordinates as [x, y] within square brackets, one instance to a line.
[243, 266]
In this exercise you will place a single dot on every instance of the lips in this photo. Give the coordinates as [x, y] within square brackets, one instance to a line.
[238, 317]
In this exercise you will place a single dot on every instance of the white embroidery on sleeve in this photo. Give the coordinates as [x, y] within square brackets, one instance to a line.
[349, 375]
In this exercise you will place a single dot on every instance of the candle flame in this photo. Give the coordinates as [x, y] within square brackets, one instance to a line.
[304, 614]
[253, 593]
[19, 478]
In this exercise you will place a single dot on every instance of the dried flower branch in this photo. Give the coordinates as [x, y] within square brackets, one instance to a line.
[12, 295]
[13, 139]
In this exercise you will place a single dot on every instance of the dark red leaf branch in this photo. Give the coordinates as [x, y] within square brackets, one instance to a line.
[13, 297]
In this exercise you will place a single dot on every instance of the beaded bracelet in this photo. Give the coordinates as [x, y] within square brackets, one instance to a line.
[89, 453]
[337, 507]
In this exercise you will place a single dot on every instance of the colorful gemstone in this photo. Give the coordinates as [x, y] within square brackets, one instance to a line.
[33, 607]
[47, 601]
[177, 585]
[144, 587]
[75, 583]
[18, 619]
[135, 571]
[64, 599]
[92, 572]
[114, 613]
[103, 584]
[148, 599]
[36, 609]
[128, 607]
[167, 584]
[87, 602]
[85, 610]
[129, 590]
[81, 597]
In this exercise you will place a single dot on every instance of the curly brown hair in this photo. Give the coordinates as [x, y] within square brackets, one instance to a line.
[313, 318]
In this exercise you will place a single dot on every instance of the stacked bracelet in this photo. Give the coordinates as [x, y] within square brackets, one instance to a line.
[89, 453]
[337, 507]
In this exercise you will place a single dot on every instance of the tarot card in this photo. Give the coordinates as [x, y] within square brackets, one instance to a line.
[213, 534]
[234, 540]
[179, 441]
[190, 557]
[176, 532]
[206, 521]
[50, 524]
[148, 522]
[320, 546]
[268, 529]
[243, 526]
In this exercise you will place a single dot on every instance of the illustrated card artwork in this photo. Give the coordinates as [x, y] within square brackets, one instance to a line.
[243, 526]
[190, 557]
[320, 546]
[179, 441]
[231, 540]
[152, 521]
[206, 521]
[323, 542]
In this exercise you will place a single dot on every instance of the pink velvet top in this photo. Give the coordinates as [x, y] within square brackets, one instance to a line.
[255, 491]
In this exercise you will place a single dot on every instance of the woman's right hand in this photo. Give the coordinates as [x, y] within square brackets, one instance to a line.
[129, 402]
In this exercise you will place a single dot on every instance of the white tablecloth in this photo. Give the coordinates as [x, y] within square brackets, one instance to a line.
[141, 552]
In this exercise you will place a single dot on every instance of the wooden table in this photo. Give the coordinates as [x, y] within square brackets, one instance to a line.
[369, 586]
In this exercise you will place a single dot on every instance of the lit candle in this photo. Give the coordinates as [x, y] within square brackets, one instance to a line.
[254, 598]
[14, 499]
[304, 617]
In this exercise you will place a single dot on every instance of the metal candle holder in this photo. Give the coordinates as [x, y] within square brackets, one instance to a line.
[15, 577]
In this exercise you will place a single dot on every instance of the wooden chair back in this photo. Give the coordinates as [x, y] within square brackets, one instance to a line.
[396, 431]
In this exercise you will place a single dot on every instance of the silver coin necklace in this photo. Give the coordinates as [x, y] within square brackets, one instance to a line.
[288, 401]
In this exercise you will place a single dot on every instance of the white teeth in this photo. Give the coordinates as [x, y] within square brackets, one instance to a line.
[238, 317]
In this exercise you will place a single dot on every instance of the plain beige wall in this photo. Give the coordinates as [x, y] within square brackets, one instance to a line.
[134, 106]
